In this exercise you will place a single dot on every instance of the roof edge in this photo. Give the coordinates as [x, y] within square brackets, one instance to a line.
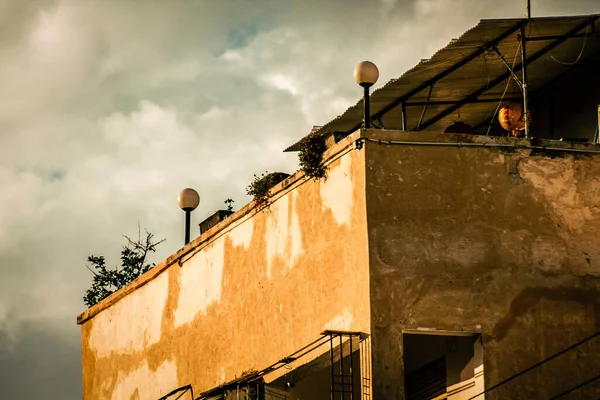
[248, 211]
[547, 18]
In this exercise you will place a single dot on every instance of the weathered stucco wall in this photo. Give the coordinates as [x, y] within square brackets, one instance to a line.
[259, 289]
[487, 240]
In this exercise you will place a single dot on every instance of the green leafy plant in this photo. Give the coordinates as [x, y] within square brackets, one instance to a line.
[259, 188]
[310, 155]
[133, 264]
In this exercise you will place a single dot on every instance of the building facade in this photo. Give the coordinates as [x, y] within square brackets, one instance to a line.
[480, 253]
[424, 266]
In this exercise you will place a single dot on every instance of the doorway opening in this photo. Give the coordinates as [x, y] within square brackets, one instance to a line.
[443, 366]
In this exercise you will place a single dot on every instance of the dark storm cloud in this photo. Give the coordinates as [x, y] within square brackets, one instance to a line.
[40, 362]
[109, 108]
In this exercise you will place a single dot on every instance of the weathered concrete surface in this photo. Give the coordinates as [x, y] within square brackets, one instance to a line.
[497, 241]
[252, 290]
[487, 240]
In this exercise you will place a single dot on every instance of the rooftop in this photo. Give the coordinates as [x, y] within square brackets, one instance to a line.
[471, 75]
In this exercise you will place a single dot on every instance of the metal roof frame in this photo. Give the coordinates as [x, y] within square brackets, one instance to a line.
[448, 71]
[503, 77]
[458, 84]
[559, 77]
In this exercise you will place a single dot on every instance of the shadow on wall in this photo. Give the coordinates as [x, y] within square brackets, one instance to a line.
[313, 380]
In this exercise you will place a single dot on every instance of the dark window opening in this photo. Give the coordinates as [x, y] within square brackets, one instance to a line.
[442, 366]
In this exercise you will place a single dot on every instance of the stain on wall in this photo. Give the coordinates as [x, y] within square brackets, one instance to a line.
[200, 283]
[160, 380]
[133, 323]
[261, 286]
[337, 191]
[284, 237]
[242, 234]
[475, 239]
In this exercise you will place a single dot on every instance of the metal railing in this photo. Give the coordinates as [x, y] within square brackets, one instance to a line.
[183, 390]
[342, 383]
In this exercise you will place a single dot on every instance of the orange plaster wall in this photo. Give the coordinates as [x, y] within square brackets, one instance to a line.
[268, 284]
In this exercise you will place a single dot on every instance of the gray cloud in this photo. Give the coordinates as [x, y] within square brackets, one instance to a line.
[109, 108]
[41, 361]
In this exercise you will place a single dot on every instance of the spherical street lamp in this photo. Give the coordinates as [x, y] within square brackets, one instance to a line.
[188, 200]
[366, 74]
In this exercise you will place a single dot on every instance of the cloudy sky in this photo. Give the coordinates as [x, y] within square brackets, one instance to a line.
[109, 107]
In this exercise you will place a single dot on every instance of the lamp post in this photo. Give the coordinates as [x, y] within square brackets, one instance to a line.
[188, 200]
[366, 74]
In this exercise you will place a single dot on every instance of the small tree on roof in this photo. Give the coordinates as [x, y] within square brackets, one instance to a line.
[133, 264]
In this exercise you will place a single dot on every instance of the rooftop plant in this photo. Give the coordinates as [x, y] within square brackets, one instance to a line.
[261, 185]
[310, 155]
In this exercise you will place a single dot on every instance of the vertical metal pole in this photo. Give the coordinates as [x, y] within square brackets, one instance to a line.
[367, 108]
[351, 376]
[425, 108]
[331, 363]
[525, 95]
[187, 226]
[370, 364]
[598, 131]
[551, 116]
[342, 365]
[528, 9]
[403, 117]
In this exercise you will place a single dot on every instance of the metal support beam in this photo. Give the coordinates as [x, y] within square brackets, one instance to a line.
[515, 77]
[504, 76]
[598, 135]
[425, 107]
[450, 102]
[444, 73]
[548, 85]
[576, 36]
[403, 117]
[524, 83]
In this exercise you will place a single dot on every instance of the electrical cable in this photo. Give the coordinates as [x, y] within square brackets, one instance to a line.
[575, 387]
[580, 52]
[487, 133]
[489, 389]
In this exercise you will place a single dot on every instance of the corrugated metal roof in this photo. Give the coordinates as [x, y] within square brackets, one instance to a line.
[469, 71]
